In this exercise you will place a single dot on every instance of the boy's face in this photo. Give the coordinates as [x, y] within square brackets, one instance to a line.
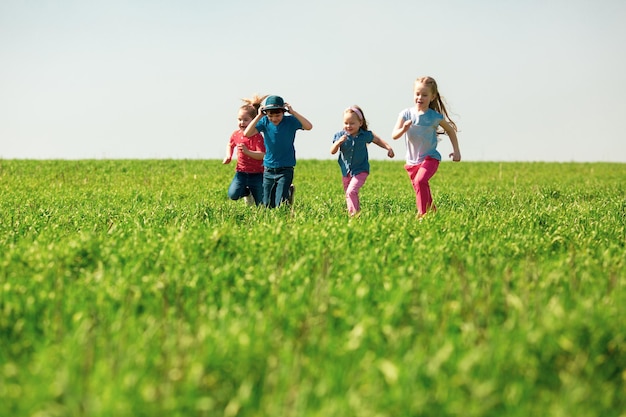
[275, 116]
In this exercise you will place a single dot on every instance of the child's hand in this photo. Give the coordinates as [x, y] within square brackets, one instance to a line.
[407, 124]
[226, 160]
[456, 156]
[390, 153]
[289, 108]
[243, 148]
[343, 139]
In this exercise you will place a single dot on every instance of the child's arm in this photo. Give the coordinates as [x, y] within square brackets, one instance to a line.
[258, 155]
[306, 125]
[400, 128]
[229, 153]
[378, 141]
[251, 128]
[336, 144]
[456, 154]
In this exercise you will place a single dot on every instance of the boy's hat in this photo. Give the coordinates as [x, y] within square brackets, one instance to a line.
[273, 103]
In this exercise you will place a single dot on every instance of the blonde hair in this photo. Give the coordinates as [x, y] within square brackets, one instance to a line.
[356, 110]
[251, 105]
[438, 102]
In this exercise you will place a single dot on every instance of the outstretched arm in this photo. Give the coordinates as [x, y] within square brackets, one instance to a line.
[456, 154]
[378, 141]
[306, 125]
[400, 128]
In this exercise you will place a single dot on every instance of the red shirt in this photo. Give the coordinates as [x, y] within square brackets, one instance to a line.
[254, 143]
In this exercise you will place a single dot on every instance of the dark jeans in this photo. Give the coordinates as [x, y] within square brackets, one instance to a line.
[276, 183]
[244, 181]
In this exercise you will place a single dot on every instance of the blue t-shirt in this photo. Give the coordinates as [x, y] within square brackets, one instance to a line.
[353, 157]
[421, 138]
[279, 149]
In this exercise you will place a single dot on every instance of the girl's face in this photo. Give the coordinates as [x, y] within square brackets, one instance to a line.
[423, 96]
[351, 123]
[243, 119]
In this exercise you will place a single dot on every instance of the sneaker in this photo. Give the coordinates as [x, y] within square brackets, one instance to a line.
[249, 199]
[292, 191]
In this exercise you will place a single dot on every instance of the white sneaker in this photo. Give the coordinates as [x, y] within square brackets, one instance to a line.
[249, 199]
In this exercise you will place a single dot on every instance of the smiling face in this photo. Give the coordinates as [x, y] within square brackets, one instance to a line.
[243, 119]
[351, 123]
[423, 96]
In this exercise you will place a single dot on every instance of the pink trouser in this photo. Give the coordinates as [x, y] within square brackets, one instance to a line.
[351, 186]
[420, 174]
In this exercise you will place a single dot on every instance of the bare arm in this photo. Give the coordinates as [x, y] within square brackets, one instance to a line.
[456, 154]
[335, 146]
[400, 128]
[378, 141]
[229, 153]
[258, 155]
[251, 128]
[306, 125]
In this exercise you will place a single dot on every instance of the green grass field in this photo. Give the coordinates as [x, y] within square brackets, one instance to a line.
[136, 288]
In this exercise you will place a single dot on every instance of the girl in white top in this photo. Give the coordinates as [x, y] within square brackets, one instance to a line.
[420, 125]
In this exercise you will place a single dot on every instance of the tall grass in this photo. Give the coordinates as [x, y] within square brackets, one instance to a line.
[137, 288]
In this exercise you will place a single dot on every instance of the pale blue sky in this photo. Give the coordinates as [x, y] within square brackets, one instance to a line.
[530, 80]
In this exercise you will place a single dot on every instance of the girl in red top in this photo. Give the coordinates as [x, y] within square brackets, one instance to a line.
[248, 180]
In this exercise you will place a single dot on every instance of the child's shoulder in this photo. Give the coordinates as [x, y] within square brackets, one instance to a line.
[408, 112]
[289, 118]
[367, 134]
[340, 134]
[434, 114]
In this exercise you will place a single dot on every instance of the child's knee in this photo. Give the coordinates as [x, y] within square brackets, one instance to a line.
[422, 181]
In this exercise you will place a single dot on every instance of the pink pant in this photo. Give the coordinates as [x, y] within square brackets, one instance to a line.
[351, 186]
[420, 174]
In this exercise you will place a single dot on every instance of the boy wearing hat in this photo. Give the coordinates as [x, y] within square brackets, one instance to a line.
[279, 131]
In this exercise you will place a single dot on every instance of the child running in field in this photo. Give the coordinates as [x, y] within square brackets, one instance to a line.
[248, 180]
[279, 131]
[420, 125]
[351, 142]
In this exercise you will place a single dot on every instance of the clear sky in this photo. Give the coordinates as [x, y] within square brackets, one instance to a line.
[532, 80]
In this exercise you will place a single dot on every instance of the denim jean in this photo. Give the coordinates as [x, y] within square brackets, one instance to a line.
[276, 183]
[244, 181]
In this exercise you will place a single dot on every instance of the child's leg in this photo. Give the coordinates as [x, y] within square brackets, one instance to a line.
[269, 189]
[255, 184]
[420, 175]
[284, 181]
[424, 174]
[276, 182]
[351, 186]
[237, 188]
[346, 183]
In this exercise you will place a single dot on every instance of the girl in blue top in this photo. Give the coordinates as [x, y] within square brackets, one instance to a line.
[420, 125]
[352, 143]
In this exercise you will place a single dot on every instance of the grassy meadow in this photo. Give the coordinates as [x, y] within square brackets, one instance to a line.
[136, 288]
